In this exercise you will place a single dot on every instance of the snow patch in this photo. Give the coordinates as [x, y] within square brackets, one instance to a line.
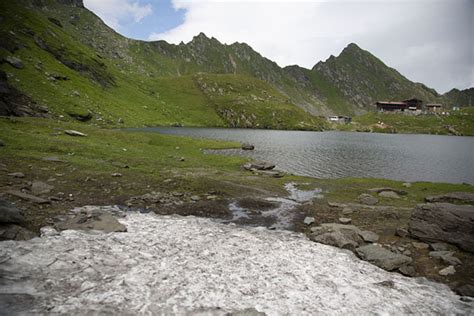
[178, 265]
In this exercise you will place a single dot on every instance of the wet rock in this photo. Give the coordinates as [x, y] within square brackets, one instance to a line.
[407, 270]
[15, 232]
[445, 223]
[71, 132]
[248, 147]
[369, 236]
[309, 220]
[382, 257]
[456, 197]
[27, 197]
[439, 246]
[9, 213]
[447, 271]
[39, 188]
[401, 232]
[420, 245]
[446, 256]
[17, 174]
[14, 62]
[258, 166]
[103, 222]
[367, 199]
[345, 220]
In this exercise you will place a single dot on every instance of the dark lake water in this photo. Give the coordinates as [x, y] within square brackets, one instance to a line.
[345, 154]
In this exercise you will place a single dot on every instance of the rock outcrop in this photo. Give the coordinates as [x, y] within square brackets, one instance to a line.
[382, 257]
[444, 222]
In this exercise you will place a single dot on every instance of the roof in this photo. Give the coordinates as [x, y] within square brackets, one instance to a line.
[434, 105]
[390, 103]
[412, 99]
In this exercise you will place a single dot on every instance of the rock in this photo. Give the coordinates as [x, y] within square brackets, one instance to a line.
[52, 159]
[270, 173]
[48, 231]
[120, 120]
[447, 271]
[211, 197]
[446, 257]
[338, 235]
[407, 253]
[15, 232]
[387, 189]
[460, 197]
[27, 197]
[195, 198]
[309, 220]
[466, 290]
[407, 185]
[382, 257]
[407, 270]
[258, 166]
[81, 117]
[369, 236]
[445, 223]
[439, 246]
[116, 174]
[420, 245]
[9, 213]
[347, 211]
[401, 232]
[389, 195]
[181, 159]
[368, 199]
[71, 132]
[103, 222]
[345, 220]
[248, 147]
[39, 188]
[14, 62]
[17, 175]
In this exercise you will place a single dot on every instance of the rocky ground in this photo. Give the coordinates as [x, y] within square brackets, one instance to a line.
[189, 265]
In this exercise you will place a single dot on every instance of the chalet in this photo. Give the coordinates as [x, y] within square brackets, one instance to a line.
[433, 108]
[388, 106]
[414, 104]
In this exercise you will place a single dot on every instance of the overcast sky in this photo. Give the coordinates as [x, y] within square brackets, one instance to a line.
[429, 41]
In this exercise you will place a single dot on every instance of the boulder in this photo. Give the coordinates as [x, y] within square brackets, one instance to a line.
[39, 188]
[447, 271]
[15, 232]
[446, 256]
[103, 222]
[9, 213]
[369, 236]
[27, 197]
[459, 197]
[14, 62]
[439, 246]
[259, 166]
[407, 270]
[383, 258]
[443, 222]
[342, 235]
[345, 220]
[368, 199]
[71, 132]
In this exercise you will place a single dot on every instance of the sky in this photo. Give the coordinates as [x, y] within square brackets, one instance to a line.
[428, 41]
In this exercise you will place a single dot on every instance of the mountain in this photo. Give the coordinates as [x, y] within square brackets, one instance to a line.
[59, 56]
[459, 98]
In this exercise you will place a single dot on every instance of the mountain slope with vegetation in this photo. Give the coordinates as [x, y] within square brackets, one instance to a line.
[60, 56]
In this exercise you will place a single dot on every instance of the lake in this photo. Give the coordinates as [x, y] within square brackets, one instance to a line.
[345, 154]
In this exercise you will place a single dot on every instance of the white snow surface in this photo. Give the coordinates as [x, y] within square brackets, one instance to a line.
[185, 265]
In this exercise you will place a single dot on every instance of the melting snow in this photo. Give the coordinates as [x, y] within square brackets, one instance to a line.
[177, 265]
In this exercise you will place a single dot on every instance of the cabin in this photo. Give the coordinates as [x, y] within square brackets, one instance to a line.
[433, 108]
[389, 106]
[414, 104]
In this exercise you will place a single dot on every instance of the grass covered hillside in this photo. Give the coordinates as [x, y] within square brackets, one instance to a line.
[113, 80]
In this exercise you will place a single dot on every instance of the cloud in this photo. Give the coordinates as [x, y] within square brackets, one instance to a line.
[115, 13]
[427, 41]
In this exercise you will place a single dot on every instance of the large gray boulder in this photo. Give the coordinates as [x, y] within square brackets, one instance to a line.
[261, 165]
[342, 236]
[444, 222]
[456, 197]
[9, 213]
[382, 258]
